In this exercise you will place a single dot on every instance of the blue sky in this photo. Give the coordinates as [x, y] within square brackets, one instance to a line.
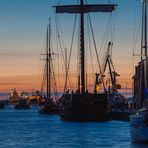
[22, 35]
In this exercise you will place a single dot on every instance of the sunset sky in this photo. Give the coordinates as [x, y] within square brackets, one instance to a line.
[23, 26]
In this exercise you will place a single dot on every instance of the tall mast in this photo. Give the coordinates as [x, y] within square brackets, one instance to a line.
[82, 9]
[145, 27]
[48, 60]
[49, 54]
[145, 42]
[144, 30]
[82, 50]
[143, 76]
[47, 65]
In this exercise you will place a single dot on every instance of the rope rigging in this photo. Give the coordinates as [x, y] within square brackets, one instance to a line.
[67, 65]
[66, 61]
[98, 61]
[110, 29]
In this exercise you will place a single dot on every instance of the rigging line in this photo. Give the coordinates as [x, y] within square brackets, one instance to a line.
[42, 85]
[96, 52]
[71, 47]
[53, 88]
[90, 51]
[60, 31]
[70, 82]
[105, 37]
[113, 30]
[58, 62]
[44, 78]
[54, 79]
[78, 47]
[43, 75]
[78, 50]
[59, 41]
[142, 29]
[55, 93]
[134, 39]
[58, 71]
[59, 38]
[106, 30]
[134, 30]
[67, 66]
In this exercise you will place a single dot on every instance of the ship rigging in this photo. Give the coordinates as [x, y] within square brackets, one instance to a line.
[83, 105]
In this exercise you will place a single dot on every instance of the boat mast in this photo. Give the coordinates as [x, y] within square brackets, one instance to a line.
[49, 54]
[82, 49]
[145, 27]
[144, 30]
[145, 42]
[47, 65]
[48, 60]
[82, 9]
[143, 74]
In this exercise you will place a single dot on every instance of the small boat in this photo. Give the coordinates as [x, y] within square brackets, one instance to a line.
[48, 108]
[22, 104]
[139, 120]
[139, 126]
[47, 105]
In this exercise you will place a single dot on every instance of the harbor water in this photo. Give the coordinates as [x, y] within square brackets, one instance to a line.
[29, 129]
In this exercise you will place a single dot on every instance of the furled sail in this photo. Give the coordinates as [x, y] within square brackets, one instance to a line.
[86, 8]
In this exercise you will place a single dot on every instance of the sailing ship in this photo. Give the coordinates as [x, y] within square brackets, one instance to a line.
[46, 104]
[83, 105]
[139, 120]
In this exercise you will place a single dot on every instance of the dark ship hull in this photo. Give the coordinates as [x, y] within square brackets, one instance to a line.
[84, 107]
[23, 104]
[48, 109]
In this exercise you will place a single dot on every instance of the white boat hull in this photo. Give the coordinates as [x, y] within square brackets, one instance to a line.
[139, 134]
[139, 126]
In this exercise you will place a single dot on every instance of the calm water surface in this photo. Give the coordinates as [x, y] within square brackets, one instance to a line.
[28, 129]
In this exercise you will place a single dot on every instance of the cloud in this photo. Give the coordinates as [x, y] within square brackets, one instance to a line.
[11, 83]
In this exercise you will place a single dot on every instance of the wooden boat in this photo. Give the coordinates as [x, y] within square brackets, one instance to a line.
[46, 104]
[22, 104]
[82, 105]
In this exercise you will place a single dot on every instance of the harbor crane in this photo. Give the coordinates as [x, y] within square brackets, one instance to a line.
[113, 74]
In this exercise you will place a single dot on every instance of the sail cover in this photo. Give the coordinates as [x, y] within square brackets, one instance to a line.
[86, 8]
